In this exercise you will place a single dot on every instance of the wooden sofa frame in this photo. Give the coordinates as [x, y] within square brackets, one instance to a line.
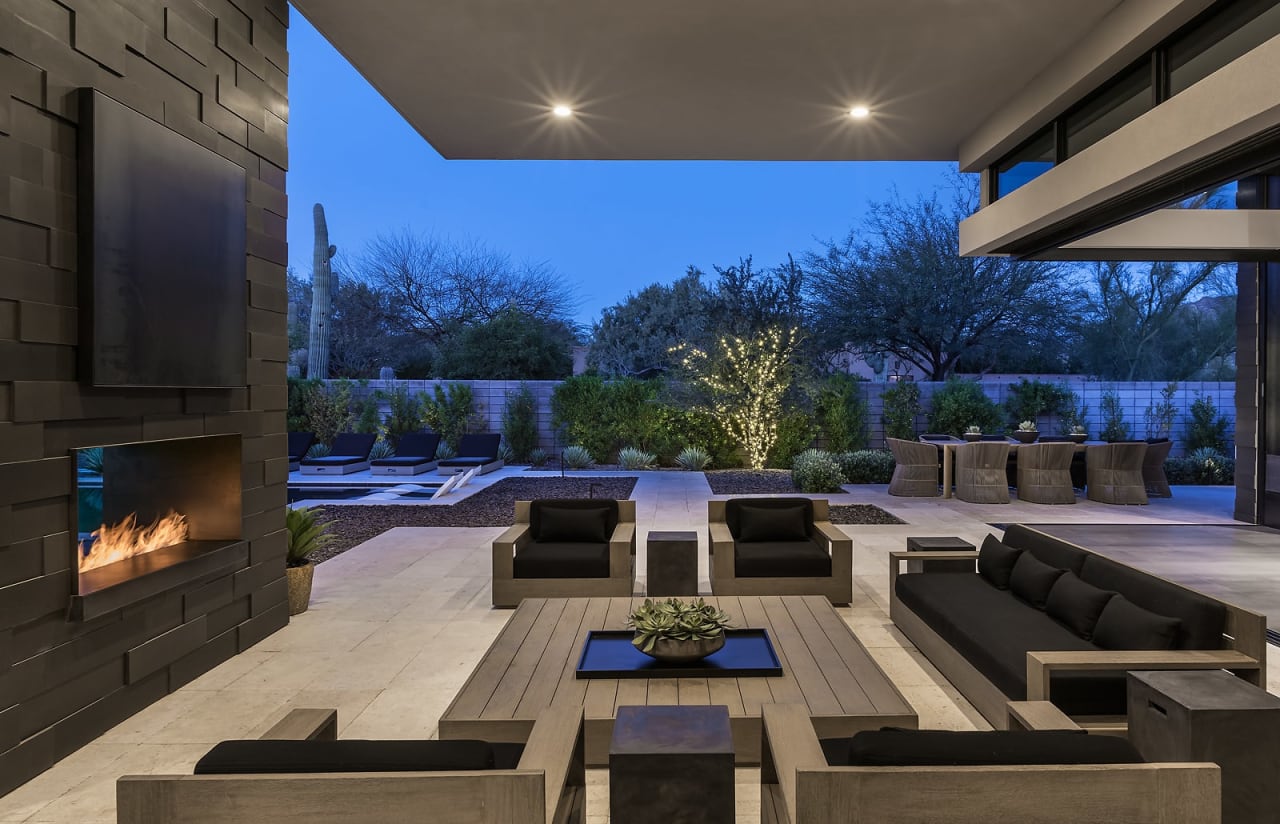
[546, 788]
[724, 580]
[1244, 651]
[798, 787]
[509, 591]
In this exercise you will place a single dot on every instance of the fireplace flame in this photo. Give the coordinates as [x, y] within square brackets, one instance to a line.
[126, 539]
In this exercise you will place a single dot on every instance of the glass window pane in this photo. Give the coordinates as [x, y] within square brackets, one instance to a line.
[1123, 101]
[1241, 27]
[1027, 163]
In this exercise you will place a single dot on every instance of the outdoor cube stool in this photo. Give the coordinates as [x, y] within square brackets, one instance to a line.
[671, 764]
[671, 563]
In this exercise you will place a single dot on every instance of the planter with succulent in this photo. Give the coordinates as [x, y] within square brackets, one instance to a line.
[678, 632]
[1026, 432]
[973, 433]
[1078, 434]
[307, 533]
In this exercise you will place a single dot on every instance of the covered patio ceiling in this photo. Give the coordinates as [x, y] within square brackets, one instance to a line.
[702, 79]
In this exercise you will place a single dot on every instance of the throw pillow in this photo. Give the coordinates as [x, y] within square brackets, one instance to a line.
[759, 523]
[1032, 579]
[995, 562]
[1076, 604]
[573, 525]
[1125, 625]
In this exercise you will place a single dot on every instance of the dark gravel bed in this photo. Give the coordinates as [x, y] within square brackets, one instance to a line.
[862, 514]
[492, 506]
[750, 481]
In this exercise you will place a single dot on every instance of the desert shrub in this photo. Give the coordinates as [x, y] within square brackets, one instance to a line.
[632, 458]
[1030, 399]
[1159, 416]
[505, 453]
[696, 426]
[404, 415]
[840, 413]
[368, 420]
[961, 403]
[1205, 466]
[576, 457]
[867, 466]
[693, 459]
[1205, 427]
[606, 416]
[381, 449]
[1114, 426]
[794, 435]
[901, 407]
[537, 456]
[328, 410]
[296, 418]
[520, 422]
[815, 470]
[451, 412]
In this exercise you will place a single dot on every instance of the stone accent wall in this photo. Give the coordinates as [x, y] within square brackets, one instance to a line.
[214, 71]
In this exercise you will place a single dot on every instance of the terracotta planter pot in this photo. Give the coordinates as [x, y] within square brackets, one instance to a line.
[299, 580]
[680, 652]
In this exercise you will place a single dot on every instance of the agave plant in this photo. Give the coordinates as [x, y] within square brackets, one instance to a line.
[576, 457]
[973, 430]
[307, 533]
[694, 459]
[444, 452]
[1027, 426]
[318, 451]
[90, 459]
[537, 457]
[381, 449]
[676, 620]
[632, 458]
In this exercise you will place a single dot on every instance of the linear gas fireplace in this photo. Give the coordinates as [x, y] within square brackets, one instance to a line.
[152, 516]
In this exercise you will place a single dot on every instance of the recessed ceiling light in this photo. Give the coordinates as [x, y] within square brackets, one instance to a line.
[859, 112]
[562, 111]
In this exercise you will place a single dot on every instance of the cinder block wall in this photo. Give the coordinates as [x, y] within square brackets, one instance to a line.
[216, 72]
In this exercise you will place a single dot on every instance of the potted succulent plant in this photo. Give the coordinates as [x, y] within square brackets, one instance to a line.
[307, 533]
[678, 632]
[1026, 432]
[1078, 434]
[973, 433]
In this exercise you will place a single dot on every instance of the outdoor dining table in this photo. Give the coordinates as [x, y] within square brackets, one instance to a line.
[948, 456]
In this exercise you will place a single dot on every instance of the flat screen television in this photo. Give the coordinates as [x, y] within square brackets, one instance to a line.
[162, 254]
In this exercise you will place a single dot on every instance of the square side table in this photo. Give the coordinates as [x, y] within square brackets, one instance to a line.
[672, 562]
[672, 765]
[933, 544]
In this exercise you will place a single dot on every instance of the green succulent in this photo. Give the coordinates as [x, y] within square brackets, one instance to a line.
[576, 457]
[693, 459]
[676, 620]
[631, 458]
[307, 533]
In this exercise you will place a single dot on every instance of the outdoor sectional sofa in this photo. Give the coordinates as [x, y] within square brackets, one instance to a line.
[1049, 626]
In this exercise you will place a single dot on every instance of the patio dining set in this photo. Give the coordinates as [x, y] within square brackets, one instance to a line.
[1048, 472]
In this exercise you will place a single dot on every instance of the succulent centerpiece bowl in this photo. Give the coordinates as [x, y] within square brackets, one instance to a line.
[676, 631]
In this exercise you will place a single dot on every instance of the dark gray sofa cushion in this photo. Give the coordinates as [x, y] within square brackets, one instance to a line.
[993, 631]
[1048, 549]
[1122, 625]
[781, 559]
[549, 559]
[279, 756]
[996, 560]
[1076, 605]
[1031, 579]
[923, 748]
[1203, 620]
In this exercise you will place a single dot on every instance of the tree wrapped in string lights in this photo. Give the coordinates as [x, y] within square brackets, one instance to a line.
[745, 380]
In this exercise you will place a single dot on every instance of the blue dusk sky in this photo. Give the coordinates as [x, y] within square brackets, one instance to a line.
[609, 228]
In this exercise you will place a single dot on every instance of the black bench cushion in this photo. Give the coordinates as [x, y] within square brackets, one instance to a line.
[1203, 619]
[781, 559]
[568, 520]
[993, 631]
[549, 559]
[1048, 549]
[923, 748]
[733, 514]
[276, 756]
[996, 560]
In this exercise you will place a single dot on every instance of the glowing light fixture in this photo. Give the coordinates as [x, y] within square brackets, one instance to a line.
[562, 111]
[859, 112]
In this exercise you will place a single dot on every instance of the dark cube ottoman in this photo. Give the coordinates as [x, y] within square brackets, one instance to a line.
[671, 559]
[672, 765]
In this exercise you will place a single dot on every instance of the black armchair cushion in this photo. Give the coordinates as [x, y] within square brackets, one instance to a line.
[1123, 625]
[925, 748]
[1202, 620]
[571, 520]
[1032, 579]
[769, 519]
[995, 562]
[1076, 605]
[781, 559]
[549, 559]
[277, 756]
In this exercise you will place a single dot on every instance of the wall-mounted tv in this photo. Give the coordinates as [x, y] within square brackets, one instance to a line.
[162, 254]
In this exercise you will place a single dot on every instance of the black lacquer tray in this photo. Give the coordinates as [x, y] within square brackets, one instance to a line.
[746, 653]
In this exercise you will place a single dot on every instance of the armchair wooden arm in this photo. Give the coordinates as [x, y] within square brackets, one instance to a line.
[897, 556]
[720, 550]
[558, 756]
[1040, 665]
[622, 551]
[790, 745]
[505, 547]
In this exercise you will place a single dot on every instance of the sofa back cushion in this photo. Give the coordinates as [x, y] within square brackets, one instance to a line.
[922, 748]
[280, 756]
[573, 520]
[1202, 619]
[1075, 604]
[995, 561]
[1048, 549]
[1031, 579]
[769, 519]
[1123, 625]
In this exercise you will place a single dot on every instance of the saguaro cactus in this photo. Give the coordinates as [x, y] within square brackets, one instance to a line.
[321, 298]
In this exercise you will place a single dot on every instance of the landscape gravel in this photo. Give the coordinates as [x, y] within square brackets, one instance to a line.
[778, 482]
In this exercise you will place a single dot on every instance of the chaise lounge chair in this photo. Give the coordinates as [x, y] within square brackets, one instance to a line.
[350, 453]
[300, 444]
[415, 454]
[299, 771]
[479, 452]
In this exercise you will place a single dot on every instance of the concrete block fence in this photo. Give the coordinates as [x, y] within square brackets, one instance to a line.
[1135, 397]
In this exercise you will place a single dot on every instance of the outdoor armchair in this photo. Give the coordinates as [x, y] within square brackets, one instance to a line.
[1044, 473]
[1114, 473]
[915, 471]
[1153, 477]
[982, 472]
